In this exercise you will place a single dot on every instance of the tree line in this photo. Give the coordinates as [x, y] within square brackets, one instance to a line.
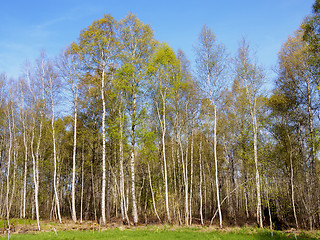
[120, 127]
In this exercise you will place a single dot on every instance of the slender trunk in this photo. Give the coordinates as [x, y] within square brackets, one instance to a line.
[216, 163]
[162, 121]
[35, 172]
[8, 169]
[132, 162]
[25, 176]
[74, 215]
[123, 204]
[152, 194]
[191, 177]
[200, 182]
[93, 188]
[292, 185]
[255, 136]
[55, 187]
[164, 128]
[269, 210]
[12, 143]
[185, 176]
[82, 182]
[13, 175]
[108, 193]
[25, 168]
[313, 177]
[103, 191]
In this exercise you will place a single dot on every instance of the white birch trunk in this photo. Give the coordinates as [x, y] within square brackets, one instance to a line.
[152, 194]
[162, 121]
[292, 185]
[73, 197]
[103, 191]
[25, 144]
[255, 148]
[216, 164]
[191, 177]
[8, 169]
[55, 187]
[25, 172]
[35, 173]
[200, 182]
[82, 183]
[132, 162]
[123, 205]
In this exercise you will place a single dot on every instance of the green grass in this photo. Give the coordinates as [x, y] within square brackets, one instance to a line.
[161, 232]
[17, 221]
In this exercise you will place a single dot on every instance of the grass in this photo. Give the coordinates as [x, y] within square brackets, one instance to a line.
[17, 221]
[164, 232]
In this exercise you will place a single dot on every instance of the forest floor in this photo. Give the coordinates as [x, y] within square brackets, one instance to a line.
[27, 229]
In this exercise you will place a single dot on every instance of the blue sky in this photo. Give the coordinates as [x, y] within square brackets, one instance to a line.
[27, 27]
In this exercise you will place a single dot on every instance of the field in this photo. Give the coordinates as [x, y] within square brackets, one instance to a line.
[69, 231]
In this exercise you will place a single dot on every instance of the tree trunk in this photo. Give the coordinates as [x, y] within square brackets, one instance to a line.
[8, 170]
[191, 177]
[216, 163]
[123, 205]
[82, 182]
[103, 191]
[200, 182]
[164, 128]
[152, 194]
[255, 149]
[25, 167]
[55, 187]
[132, 162]
[35, 171]
[292, 184]
[74, 215]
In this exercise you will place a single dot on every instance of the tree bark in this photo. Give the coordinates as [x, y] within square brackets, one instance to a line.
[55, 187]
[8, 168]
[255, 149]
[103, 191]
[292, 184]
[216, 163]
[74, 215]
[132, 162]
[200, 182]
[152, 194]
[123, 205]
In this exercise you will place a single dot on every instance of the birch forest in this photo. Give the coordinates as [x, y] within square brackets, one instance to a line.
[120, 128]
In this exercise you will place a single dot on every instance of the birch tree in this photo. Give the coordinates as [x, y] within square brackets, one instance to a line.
[137, 45]
[51, 77]
[70, 68]
[251, 76]
[97, 48]
[211, 65]
[164, 73]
